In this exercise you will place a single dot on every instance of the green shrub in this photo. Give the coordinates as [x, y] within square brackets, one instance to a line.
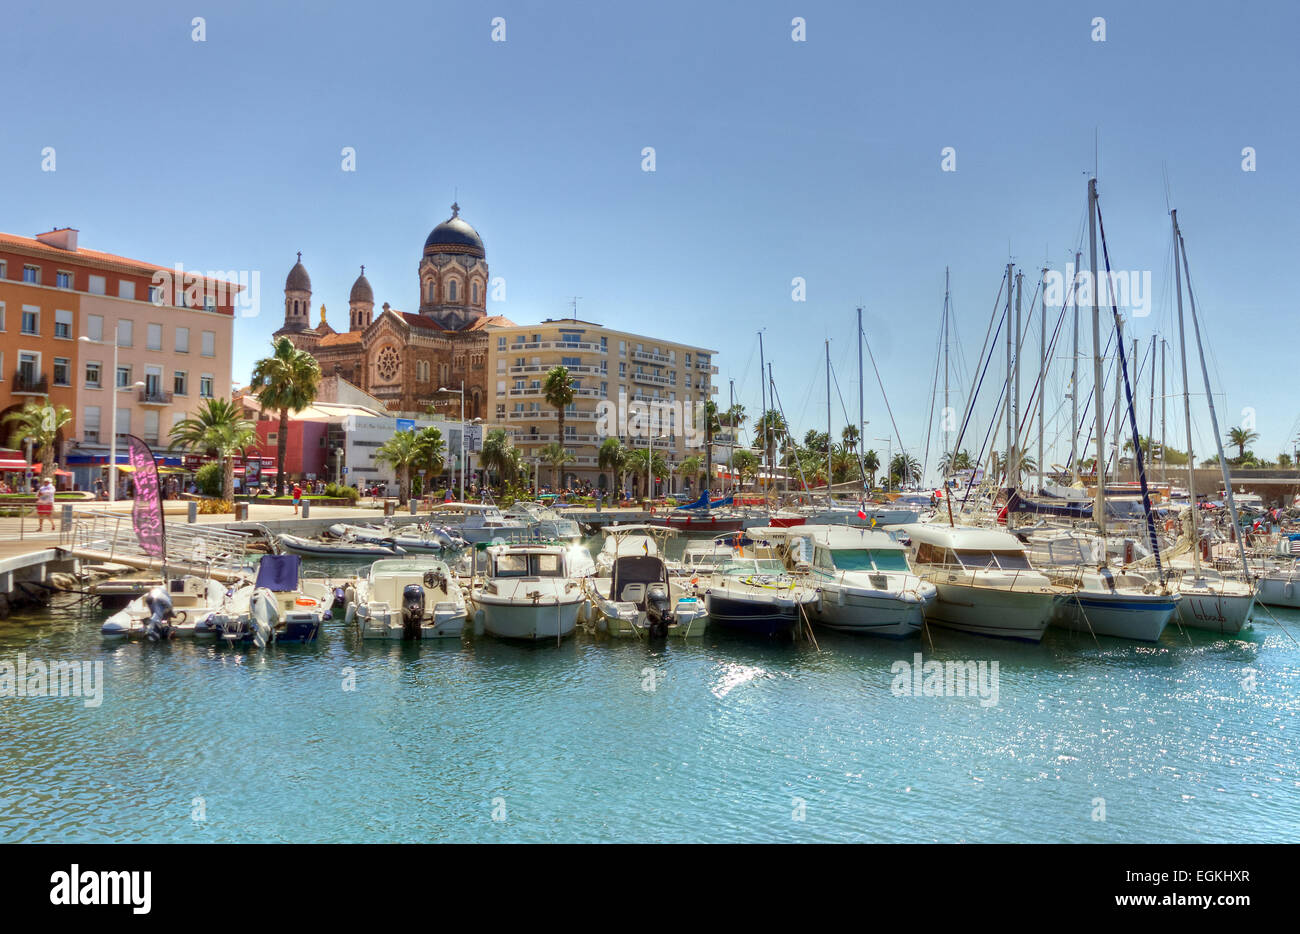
[337, 491]
[208, 477]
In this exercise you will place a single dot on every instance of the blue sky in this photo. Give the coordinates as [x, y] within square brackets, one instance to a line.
[774, 159]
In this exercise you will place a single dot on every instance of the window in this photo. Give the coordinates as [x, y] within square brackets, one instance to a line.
[451, 290]
[180, 383]
[151, 426]
[177, 418]
[153, 376]
[97, 285]
[125, 332]
[123, 376]
[205, 386]
[90, 424]
[94, 373]
[95, 327]
[4, 269]
[209, 303]
[29, 367]
[209, 348]
[2, 317]
[501, 343]
[62, 371]
[63, 324]
[123, 422]
[182, 340]
[153, 337]
[155, 295]
[31, 319]
[32, 274]
[126, 289]
[272, 437]
[474, 299]
[63, 279]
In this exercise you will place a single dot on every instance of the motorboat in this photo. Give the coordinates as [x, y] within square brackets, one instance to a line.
[861, 515]
[407, 598]
[529, 592]
[168, 609]
[279, 606]
[1103, 601]
[632, 539]
[867, 585]
[704, 556]
[641, 599]
[545, 522]
[312, 548]
[485, 522]
[757, 596]
[986, 583]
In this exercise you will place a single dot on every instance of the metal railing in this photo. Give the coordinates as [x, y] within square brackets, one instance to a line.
[112, 534]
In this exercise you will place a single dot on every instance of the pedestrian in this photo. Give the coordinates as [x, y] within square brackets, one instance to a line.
[45, 504]
[297, 498]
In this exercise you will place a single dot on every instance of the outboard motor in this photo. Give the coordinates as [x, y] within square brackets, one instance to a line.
[340, 598]
[158, 625]
[412, 610]
[657, 614]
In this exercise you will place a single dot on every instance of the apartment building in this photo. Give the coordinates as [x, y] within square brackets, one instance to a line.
[98, 332]
[634, 374]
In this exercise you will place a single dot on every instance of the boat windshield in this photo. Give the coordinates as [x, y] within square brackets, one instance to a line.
[869, 559]
[742, 566]
[521, 564]
[986, 560]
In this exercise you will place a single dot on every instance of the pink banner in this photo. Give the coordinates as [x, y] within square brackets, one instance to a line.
[147, 513]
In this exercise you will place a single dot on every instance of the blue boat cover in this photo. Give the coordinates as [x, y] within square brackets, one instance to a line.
[701, 503]
[278, 573]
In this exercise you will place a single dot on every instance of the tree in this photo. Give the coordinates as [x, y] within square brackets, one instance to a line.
[499, 454]
[1284, 460]
[712, 424]
[612, 456]
[559, 390]
[430, 453]
[746, 464]
[849, 435]
[904, 469]
[401, 452]
[815, 440]
[770, 430]
[218, 427]
[955, 461]
[555, 456]
[1242, 437]
[690, 468]
[871, 464]
[42, 423]
[640, 461]
[286, 381]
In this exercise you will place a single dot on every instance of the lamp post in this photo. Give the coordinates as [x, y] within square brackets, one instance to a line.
[112, 437]
[338, 466]
[461, 393]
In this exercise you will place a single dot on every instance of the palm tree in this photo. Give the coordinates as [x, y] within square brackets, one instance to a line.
[712, 423]
[499, 454]
[430, 454]
[287, 381]
[612, 456]
[746, 464]
[849, 435]
[1242, 437]
[42, 423]
[905, 469]
[400, 452]
[771, 428]
[690, 467]
[555, 456]
[953, 461]
[559, 390]
[640, 461]
[871, 464]
[218, 426]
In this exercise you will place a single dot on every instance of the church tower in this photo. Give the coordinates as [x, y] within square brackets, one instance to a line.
[453, 274]
[297, 298]
[361, 303]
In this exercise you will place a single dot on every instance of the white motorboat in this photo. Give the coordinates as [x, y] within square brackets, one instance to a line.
[407, 598]
[641, 599]
[163, 612]
[986, 584]
[545, 522]
[279, 606]
[529, 592]
[484, 522]
[866, 583]
[757, 596]
[622, 541]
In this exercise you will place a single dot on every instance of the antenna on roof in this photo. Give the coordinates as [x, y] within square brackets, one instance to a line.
[574, 302]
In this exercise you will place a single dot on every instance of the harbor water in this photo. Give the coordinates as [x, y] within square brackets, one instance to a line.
[1195, 738]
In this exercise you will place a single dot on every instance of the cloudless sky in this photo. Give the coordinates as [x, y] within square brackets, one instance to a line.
[775, 159]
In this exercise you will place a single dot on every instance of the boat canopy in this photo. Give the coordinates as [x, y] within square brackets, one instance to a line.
[278, 573]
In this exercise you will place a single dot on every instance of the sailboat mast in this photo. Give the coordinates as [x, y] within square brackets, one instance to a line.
[1020, 339]
[1006, 453]
[1042, 370]
[946, 408]
[1074, 377]
[1099, 507]
[762, 415]
[1181, 246]
[1151, 409]
[1164, 463]
[829, 475]
[1187, 404]
[862, 420]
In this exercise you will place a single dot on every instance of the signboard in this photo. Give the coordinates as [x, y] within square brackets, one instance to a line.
[473, 438]
[345, 469]
[146, 512]
[406, 424]
[253, 471]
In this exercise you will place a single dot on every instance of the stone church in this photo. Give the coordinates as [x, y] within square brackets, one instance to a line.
[403, 358]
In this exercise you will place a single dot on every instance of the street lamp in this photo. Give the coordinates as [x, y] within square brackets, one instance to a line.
[461, 393]
[112, 437]
[338, 466]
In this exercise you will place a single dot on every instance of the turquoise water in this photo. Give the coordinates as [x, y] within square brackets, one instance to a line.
[737, 741]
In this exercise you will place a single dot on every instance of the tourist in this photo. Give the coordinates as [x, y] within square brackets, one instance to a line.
[45, 504]
[297, 498]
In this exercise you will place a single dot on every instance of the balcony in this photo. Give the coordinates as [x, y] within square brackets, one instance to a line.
[584, 393]
[155, 397]
[557, 345]
[548, 415]
[654, 379]
[548, 437]
[28, 382]
[649, 356]
[582, 370]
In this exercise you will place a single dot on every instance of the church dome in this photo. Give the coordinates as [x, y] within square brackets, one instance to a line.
[454, 236]
[361, 290]
[298, 278]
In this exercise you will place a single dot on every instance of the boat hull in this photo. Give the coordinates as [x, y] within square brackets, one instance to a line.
[529, 622]
[1280, 591]
[765, 618]
[988, 611]
[890, 615]
[1142, 617]
[1214, 612]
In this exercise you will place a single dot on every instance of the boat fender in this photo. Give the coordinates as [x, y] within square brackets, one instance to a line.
[1288, 589]
[349, 614]
[350, 594]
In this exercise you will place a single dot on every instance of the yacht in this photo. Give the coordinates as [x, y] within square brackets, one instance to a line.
[407, 598]
[866, 583]
[985, 581]
[529, 591]
[484, 522]
[756, 596]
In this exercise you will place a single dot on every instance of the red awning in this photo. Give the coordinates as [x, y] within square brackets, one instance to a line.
[11, 464]
[36, 469]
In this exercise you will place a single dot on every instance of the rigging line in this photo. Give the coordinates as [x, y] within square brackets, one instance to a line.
[934, 388]
[1132, 413]
[901, 449]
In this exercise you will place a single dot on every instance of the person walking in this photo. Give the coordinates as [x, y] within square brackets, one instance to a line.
[297, 498]
[45, 505]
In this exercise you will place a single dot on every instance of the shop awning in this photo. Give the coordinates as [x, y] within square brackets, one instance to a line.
[9, 463]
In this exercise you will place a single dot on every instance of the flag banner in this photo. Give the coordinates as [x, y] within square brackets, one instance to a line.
[147, 513]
